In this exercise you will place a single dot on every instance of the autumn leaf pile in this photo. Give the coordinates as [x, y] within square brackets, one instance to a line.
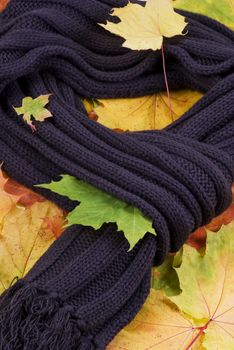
[191, 304]
[29, 224]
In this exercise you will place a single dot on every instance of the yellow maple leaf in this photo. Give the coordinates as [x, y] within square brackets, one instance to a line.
[159, 325]
[24, 238]
[144, 113]
[201, 317]
[143, 27]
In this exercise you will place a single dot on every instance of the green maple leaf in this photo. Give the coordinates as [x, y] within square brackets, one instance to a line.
[165, 276]
[97, 207]
[34, 108]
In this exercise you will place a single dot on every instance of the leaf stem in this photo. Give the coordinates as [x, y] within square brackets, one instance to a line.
[201, 330]
[166, 81]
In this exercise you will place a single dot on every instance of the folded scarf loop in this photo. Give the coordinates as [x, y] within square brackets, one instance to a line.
[88, 286]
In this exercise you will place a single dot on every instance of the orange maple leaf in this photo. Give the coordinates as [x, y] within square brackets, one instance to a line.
[3, 4]
[197, 239]
[7, 201]
[26, 196]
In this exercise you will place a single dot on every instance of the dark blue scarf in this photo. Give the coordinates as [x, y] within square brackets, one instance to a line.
[87, 287]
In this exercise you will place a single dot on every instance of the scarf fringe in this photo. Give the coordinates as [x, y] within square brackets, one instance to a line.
[33, 319]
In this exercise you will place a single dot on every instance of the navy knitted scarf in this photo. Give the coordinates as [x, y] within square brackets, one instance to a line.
[88, 286]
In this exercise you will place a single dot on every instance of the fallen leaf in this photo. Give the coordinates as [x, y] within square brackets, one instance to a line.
[7, 201]
[24, 237]
[12, 193]
[165, 276]
[3, 4]
[223, 219]
[93, 116]
[56, 224]
[145, 113]
[26, 231]
[98, 207]
[197, 239]
[201, 316]
[222, 11]
[143, 27]
[34, 108]
[25, 196]
[90, 103]
[159, 325]
[207, 288]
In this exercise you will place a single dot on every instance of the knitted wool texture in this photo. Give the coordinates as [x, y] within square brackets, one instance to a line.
[87, 286]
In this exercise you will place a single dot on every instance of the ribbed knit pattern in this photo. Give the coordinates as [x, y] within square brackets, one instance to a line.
[87, 286]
